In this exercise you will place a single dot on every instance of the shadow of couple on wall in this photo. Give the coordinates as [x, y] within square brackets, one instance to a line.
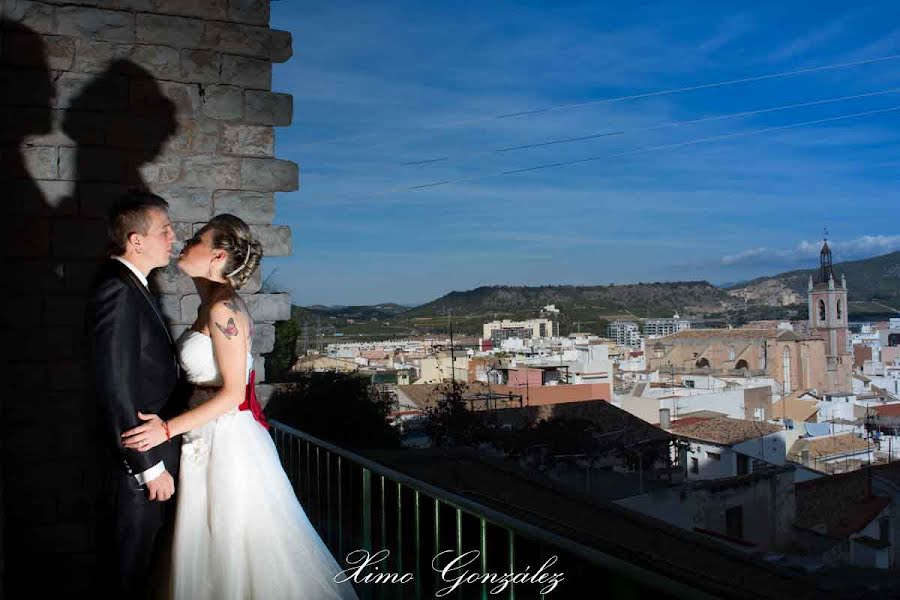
[71, 145]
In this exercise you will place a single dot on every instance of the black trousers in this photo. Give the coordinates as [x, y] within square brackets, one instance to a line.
[132, 535]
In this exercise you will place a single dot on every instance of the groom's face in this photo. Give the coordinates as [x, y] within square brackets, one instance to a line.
[157, 244]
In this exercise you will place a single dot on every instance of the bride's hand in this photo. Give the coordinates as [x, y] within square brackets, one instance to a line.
[144, 437]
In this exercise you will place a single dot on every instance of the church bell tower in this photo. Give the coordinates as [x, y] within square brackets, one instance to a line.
[828, 320]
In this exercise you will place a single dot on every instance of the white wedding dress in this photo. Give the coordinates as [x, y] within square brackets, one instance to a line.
[239, 530]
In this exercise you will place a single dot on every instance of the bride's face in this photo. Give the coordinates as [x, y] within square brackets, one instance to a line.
[198, 258]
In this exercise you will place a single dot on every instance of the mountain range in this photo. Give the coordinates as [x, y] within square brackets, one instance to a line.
[873, 283]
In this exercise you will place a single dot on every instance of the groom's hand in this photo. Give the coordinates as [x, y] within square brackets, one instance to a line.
[161, 488]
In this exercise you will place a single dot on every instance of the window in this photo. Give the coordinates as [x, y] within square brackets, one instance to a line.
[839, 310]
[731, 353]
[786, 369]
[743, 464]
[741, 364]
[734, 522]
[714, 455]
[821, 311]
[695, 465]
[688, 383]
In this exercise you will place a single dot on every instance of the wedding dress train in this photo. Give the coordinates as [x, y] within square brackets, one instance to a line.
[239, 530]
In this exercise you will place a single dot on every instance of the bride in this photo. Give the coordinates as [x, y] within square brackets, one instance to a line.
[239, 530]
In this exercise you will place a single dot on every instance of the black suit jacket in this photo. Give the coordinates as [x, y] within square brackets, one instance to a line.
[133, 364]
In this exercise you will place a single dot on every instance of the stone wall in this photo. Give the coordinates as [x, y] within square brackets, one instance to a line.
[99, 96]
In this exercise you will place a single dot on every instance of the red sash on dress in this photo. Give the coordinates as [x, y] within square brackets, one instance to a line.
[251, 403]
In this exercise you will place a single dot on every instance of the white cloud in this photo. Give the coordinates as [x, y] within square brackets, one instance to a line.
[862, 247]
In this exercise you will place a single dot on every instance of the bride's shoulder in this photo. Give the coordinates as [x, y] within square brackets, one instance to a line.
[228, 311]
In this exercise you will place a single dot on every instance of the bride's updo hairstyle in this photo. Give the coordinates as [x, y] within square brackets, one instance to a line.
[233, 236]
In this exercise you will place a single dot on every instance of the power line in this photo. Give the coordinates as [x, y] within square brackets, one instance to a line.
[745, 113]
[559, 107]
[657, 148]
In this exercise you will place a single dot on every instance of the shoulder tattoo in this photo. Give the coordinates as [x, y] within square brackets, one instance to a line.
[234, 306]
[230, 330]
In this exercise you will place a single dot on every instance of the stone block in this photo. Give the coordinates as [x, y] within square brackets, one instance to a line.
[64, 310]
[190, 304]
[94, 56]
[252, 285]
[170, 280]
[247, 72]
[41, 162]
[55, 198]
[34, 15]
[264, 394]
[84, 238]
[269, 175]
[163, 62]
[70, 375]
[79, 274]
[178, 32]
[244, 40]
[95, 199]
[269, 307]
[276, 239]
[187, 204]
[170, 305]
[205, 9]
[268, 108]
[48, 343]
[222, 102]
[59, 51]
[69, 127]
[26, 309]
[196, 136]
[163, 170]
[159, 98]
[71, 88]
[32, 89]
[58, 538]
[256, 208]
[211, 171]
[249, 11]
[200, 66]
[95, 23]
[263, 338]
[259, 365]
[248, 140]
[280, 46]
[92, 163]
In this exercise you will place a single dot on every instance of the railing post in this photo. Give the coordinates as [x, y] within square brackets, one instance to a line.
[328, 492]
[384, 523]
[459, 547]
[318, 492]
[367, 509]
[418, 564]
[340, 499]
[512, 562]
[399, 527]
[483, 549]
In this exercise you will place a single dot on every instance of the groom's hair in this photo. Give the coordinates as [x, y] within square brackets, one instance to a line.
[131, 214]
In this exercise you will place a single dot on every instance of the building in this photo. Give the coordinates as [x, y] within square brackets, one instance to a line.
[828, 320]
[654, 328]
[497, 331]
[625, 333]
[793, 360]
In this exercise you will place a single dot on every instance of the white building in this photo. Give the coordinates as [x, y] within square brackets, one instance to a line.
[532, 328]
[654, 328]
[625, 333]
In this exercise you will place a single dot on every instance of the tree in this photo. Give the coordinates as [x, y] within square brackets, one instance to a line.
[343, 408]
[283, 355]
[449, 422]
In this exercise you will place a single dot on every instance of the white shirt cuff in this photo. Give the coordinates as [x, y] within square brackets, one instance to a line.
[151, 473]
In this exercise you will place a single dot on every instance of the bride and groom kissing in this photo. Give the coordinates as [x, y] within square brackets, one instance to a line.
[197, 504]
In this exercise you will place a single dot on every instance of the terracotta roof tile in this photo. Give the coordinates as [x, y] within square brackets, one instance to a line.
[727, 431]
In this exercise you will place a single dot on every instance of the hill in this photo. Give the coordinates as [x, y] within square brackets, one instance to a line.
[872, 283]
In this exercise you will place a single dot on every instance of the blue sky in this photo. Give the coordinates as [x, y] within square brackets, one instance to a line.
[379, 85]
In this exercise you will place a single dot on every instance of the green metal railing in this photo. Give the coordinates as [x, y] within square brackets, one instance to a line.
[357, 504]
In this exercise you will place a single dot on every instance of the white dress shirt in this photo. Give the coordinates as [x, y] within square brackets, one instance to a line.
[160, 467]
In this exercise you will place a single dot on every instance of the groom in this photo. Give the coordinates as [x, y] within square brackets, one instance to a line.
[134, 369]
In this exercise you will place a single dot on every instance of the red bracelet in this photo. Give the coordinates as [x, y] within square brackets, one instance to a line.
[166, 427]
